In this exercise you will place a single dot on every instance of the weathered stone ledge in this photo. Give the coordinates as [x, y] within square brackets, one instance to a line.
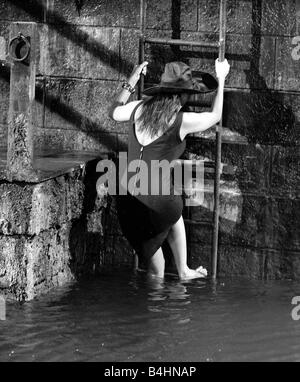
[54, 232]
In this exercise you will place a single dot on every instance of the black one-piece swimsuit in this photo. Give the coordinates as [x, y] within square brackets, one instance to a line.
[146, 219]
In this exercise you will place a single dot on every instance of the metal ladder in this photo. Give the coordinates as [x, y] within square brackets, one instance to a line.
[220, 45]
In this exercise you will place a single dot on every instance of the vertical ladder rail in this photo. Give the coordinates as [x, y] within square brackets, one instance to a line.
[143, 5]
[142, 44]
[216, 213]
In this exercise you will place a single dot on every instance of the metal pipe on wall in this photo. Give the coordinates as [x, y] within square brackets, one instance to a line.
[216, 215]
[142, 44]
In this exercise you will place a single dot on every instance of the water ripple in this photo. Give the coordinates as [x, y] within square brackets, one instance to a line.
[131, 318]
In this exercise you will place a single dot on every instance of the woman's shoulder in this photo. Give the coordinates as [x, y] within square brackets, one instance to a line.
[123, 113]
[135, 105]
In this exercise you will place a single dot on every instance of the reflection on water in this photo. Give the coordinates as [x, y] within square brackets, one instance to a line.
[121, 317]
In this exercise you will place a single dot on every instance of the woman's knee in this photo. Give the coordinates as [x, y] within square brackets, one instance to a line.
[157, 268]
[177, 227]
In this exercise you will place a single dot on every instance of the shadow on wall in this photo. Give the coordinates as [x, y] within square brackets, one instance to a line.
[87, 234]
[75, 34]
[95, 240]
[101, 52]
[265, 108]
[261, 115]
[262, 112]
[71, 115]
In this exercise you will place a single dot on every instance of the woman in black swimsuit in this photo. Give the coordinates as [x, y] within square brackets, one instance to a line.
[159, 128]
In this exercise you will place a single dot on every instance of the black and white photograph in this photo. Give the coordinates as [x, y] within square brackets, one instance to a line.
[149, 184]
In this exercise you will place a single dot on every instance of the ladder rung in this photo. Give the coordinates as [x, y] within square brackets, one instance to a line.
[228, 137]
[165, 41]
[209, 166]
[226, 169]
[198, 222]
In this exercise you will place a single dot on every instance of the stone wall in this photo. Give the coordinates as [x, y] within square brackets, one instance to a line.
[54, 232]
[88, 47]
[259, 231]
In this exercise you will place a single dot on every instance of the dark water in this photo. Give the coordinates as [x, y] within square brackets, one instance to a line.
[125, 317]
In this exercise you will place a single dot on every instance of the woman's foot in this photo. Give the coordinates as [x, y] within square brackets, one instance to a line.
[190, 274]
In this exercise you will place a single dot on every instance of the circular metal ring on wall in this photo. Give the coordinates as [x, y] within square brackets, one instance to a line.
[19, 48]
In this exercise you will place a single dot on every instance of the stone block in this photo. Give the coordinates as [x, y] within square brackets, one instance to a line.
[56, 202]
[95, 222]
[32, 209]
[48, 258]
[4, 99]
[290, 265]
[262, 222]
[116, 252]
[50, 233]
[278, 17]
[286, 222]
[5, 27]
[116, 13]
[4, 37]
[87, 233]
[267, 17]
[291, 101]
[250, 164]
[285, 177]
[244, 220]
[19, 10]
[231, 204]
[107, 254]
[3, 134]
[238, 16]
[74, 140]
[252, 59]
[251, 263]
[21, 111]
[2, 48]
[263, 117]
[287, 75]
[86, 247]
[257, 226]
[81, 105]
[15, 208]
[38, 106]
[175, 15]
[30, 266]
[184, 17]
[73, 51]
[13, 275]
[200, 232]
[241, 261]
[129, 50]
[111, 220]
[123, 254]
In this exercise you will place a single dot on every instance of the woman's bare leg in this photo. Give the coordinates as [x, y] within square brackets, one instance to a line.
[157, 264]
[177, 241]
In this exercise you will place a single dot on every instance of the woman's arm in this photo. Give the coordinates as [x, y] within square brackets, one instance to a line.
[119, 111]
[196, 122]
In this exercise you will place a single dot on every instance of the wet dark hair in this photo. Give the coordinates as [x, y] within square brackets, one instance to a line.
[157, 112]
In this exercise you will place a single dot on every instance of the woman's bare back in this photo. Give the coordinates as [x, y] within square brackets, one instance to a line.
[144, 137]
